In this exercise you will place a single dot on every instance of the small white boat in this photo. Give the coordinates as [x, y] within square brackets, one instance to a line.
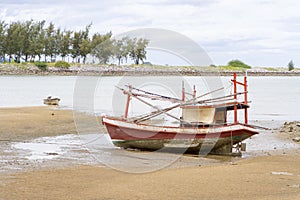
[51, 101]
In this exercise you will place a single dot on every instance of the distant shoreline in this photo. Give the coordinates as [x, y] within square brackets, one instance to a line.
[142, 70]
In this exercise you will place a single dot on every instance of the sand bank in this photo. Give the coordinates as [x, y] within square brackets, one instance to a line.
[274, 177]
[23, 123]
[266, 177]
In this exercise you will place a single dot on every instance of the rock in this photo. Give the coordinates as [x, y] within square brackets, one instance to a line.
[294, 186]
[52, 153]
[298, 125]
[296, 139]
[290, 129]
[282, 173]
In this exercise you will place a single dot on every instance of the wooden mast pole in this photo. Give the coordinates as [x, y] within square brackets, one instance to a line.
[194, 92]
[127, 103]
[235, 97]
[246, 98]
[183, 92]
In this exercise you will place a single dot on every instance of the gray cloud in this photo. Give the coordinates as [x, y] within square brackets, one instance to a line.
[225, 28]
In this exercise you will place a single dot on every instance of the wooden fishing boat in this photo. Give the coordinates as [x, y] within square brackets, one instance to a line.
[51, 101]
[203, 126]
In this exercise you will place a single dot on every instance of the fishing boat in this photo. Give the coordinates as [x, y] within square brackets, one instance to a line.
[202, 127]
[51, 101]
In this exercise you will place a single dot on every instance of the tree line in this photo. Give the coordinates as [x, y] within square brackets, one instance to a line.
[31, 41]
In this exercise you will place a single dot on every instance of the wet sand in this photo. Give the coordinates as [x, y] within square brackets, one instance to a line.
[23, 123]
[276, 177]
[272, 176]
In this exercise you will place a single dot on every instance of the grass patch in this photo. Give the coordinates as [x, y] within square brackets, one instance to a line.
[41, 65]
[62, 64]
[238, 64]
[231, 68]
[270, 69]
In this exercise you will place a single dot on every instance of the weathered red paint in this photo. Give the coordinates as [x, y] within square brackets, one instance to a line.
[125, 133]
[246, 99]
[127, 104]
[235, 97]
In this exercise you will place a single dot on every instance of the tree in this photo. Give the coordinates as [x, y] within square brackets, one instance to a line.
[41, 40]
[141, 50]
[98, 39]
[85, 45]
[85, 48]
[137, 49]
[28, 33]
[96, 50]
[120, 49]
[15, 40]
[29, 39]
[58, 40]
[126, 45]
[76, 41]
[104, 51]
[65, 44]
[2, 40]
[291, 65]
[49, 42]
[37, 40]
[238, 64]
[81, 44]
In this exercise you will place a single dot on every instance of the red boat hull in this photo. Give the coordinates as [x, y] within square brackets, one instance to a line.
[212, 138]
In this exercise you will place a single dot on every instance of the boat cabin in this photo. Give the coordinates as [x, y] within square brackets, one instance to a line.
[208, 115]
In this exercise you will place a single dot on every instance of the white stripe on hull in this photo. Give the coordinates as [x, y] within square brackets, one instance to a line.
[183, 130]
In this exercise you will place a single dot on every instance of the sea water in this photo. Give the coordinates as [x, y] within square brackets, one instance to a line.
[272, 98]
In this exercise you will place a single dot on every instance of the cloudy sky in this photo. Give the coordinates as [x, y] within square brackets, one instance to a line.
[258, 32]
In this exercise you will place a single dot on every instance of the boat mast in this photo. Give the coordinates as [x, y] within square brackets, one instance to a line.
[128, 102]
[235, 97]
[195, 92]
[235, 82]
[183, 92]
[246, 98]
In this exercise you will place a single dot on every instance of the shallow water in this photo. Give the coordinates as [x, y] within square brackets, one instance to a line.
[272, 97]
[268, 142]
[97, 149]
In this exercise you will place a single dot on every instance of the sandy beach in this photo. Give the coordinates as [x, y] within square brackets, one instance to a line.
[23, 123]
[270, 176]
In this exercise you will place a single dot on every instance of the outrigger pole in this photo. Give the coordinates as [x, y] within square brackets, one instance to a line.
[162, 111]
[129, 93]
[161, 97]
[235, 82]
[203, 95]
[246, 98]
[127, 103]
[183, 102]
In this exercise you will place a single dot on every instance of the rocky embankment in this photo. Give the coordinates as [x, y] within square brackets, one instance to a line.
[291, 130]
[113, 70]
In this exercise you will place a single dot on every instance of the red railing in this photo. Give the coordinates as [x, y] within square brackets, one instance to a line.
[235, 83]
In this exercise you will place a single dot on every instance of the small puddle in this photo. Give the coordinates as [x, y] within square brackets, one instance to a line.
[47, 147]
[97, 149]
